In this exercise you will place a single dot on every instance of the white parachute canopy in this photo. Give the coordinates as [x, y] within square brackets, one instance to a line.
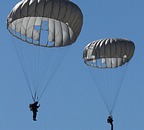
[43, 31]
[108, 60]
[60, 20]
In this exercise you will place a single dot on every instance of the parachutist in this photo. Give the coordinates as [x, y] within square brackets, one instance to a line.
[55, 26]
[110, 120]
[33, 107]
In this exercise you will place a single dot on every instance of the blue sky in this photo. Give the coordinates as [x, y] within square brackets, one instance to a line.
[72, 101]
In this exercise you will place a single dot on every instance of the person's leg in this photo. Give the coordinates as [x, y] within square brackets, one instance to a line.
[34, 116]
[111, 126]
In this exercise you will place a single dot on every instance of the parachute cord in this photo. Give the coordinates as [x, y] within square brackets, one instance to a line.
[106, 104]
[44, 67]
[110, 112]
[46, 86]
[35, 71]
[23, 70]
[35, 97]
[59, 53]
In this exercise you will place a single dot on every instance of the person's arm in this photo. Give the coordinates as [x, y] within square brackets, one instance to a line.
[38, 106]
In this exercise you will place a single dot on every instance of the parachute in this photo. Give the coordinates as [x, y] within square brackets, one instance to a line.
[107, 60]
[43, 31]
[60, 19]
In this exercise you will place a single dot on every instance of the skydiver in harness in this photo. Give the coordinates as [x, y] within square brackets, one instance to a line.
[33, 107]
[110, 120]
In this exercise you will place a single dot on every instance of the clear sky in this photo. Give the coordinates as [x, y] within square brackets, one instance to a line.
[72, 101]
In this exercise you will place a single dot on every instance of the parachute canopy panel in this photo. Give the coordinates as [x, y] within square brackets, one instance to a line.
[108, 53]
[40, 22]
